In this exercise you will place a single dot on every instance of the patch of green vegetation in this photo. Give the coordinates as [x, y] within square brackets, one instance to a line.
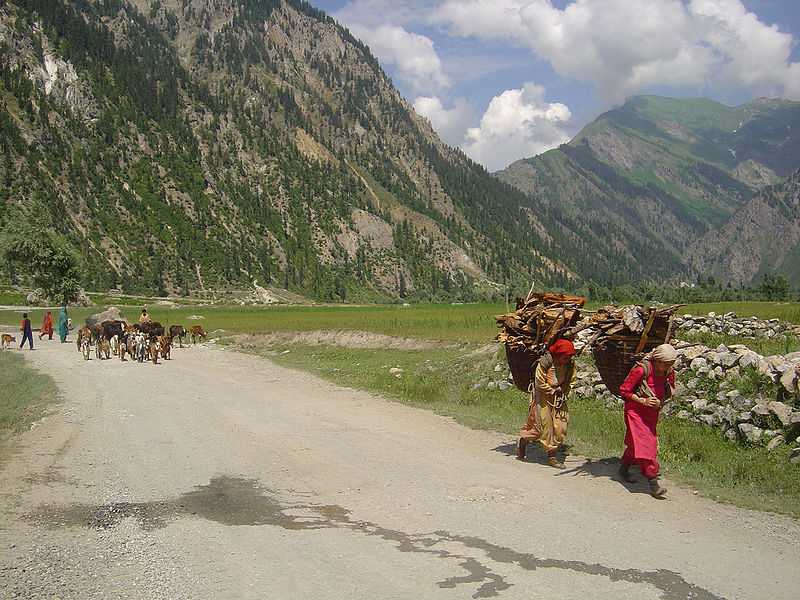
[12, 298]
[442, 381]
[26, 393]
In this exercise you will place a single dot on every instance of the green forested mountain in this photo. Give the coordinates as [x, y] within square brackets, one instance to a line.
[643, 183]
[182, 144]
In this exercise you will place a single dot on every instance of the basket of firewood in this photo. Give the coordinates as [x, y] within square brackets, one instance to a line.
[623, 336]
[540, 319]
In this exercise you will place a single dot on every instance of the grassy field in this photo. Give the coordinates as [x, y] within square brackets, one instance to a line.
[26, 393]
[441, 381]
[463, 323]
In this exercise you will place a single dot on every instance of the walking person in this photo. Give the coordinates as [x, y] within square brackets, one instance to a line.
[27, 331]
[47, 326]
[63, 324]
[648, 386]
[548, 415]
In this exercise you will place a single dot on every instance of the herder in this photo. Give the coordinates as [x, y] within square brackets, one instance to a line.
[548, 415]
[648, 386]
[144, 317]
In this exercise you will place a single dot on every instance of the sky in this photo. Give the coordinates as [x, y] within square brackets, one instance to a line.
[510, 79]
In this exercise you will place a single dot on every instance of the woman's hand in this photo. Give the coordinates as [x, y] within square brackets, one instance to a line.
[557, 391]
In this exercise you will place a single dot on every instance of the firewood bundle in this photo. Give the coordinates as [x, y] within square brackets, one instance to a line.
[635, 326]
[540, 318]
[621, 336]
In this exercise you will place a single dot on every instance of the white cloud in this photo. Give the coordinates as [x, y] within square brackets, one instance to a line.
[625, 46]
[449, 123]
[518, 123]
[413, 55]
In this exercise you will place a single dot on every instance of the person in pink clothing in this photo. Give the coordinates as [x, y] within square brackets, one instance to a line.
[648, 386]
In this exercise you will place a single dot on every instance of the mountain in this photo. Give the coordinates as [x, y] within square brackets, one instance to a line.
[189, 144]
[762, 237]
[645, 181]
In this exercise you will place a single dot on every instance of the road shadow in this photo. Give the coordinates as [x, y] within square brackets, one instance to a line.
[534, 453]
[608, 468]
[603, 468]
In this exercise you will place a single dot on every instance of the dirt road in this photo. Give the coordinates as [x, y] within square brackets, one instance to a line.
[221, 475]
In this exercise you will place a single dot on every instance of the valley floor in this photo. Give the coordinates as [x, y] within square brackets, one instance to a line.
[223, 475]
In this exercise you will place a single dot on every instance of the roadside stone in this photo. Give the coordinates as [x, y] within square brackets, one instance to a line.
[738, 401]
[684, 414]
[750, 432]
[744, 417]
[776, 442]
[726, 414]
[794, 456]
[789, 381]
[698, 364]
[761, 410]
[503, 385]
[498, 368]
[492, 385]
[749, 359]
[732, 434]
[782, 411]
[700, 405]
[710, 420]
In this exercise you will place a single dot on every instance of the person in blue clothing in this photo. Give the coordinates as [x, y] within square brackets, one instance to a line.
[27, 332]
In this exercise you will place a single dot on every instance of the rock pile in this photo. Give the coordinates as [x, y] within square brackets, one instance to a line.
[732, 325]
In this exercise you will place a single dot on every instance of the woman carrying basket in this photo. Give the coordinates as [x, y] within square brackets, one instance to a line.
[648, 386]
[548, 415]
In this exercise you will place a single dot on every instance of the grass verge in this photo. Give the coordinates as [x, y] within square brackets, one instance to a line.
[25, 393]
[441, 381]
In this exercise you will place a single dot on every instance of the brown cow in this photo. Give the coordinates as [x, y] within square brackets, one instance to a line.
[165, 342]
[197, 331]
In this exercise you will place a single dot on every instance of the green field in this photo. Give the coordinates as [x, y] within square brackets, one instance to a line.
[460, 322]
[26, 393]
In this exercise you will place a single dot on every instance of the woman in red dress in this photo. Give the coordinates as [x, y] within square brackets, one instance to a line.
[47, 326]
[648, 386]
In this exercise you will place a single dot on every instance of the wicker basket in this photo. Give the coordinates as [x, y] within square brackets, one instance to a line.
[521, 363]
[615, 360]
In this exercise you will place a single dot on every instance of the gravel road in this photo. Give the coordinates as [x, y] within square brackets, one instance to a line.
[222, 475]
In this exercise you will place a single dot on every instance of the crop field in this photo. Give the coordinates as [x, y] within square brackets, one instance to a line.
[469, 323]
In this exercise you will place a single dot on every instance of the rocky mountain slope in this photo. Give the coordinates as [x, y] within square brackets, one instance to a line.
[762, 237]
[644, 182]
[182, 144]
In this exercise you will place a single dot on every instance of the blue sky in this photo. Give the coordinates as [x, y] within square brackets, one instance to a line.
[508, 79]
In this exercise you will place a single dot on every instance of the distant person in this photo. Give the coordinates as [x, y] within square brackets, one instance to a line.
[47, 326]
[548, 415]
[27, 332]
[648, 386]
[144, 317]
[63, 324]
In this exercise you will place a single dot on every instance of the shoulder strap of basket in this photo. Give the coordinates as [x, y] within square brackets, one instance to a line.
[644, 389]
[546, 362]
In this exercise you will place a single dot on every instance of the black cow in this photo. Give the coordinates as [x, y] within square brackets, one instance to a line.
[177, 331]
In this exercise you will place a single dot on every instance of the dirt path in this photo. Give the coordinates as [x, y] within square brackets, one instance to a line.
[221, 475]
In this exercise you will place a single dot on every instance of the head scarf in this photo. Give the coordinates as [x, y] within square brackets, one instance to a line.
[665, 353]
[562, 347]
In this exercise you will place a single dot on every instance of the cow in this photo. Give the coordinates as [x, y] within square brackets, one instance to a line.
[152, 329]
[86, 345]
[177, 331]
[113, 332]
[152, 350]
[103, 348]
[165, 344]
[196, 332]
[83, 332]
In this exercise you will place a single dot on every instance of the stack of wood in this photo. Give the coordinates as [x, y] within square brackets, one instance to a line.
[622, 336]
[539, 320]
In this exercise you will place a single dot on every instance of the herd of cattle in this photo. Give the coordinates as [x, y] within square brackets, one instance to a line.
[140, 341]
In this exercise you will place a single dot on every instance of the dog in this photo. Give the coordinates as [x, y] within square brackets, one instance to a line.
[8, 340]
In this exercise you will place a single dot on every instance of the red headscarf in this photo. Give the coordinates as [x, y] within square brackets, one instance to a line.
[562, 347]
